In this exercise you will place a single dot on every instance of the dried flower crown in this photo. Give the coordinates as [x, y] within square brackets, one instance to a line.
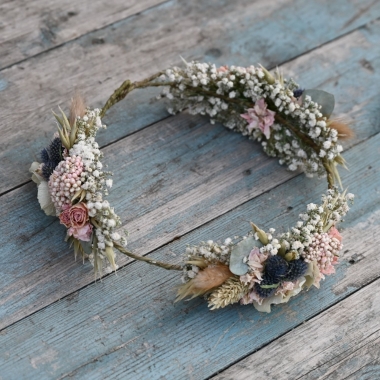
[291, 123]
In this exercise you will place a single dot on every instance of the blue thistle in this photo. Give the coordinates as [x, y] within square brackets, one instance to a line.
[51, 157]
[265, 292]
[297, 269]
[44, 156]
[298, 92]
[276, 267]
[47, 169]
[55, 151]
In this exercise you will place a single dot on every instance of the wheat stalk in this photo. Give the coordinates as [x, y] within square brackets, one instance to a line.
[228, 293]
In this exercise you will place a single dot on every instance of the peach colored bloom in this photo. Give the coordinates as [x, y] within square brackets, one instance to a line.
[254, 297]
[334, 233]
[259, 117]
[78, 215]
[255, 263]
[81, 233]
[328, 270]
[285, 287]
[222, 69]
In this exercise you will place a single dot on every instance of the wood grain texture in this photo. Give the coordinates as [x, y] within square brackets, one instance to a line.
[32, 27]
[126, 327]
[340, 343]
[180, 181]
[224, 32]
[170, 179]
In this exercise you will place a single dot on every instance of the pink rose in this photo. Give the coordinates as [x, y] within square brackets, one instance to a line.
[334, 233]
[64, 217]
[259, 117]
[81, 233]
[78, 215]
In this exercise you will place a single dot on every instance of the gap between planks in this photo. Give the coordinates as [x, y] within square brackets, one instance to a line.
[338, 343]
[41, 26]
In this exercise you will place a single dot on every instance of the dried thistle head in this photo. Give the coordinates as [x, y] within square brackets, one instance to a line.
[207, 279]
[342, 127]
[77, 108]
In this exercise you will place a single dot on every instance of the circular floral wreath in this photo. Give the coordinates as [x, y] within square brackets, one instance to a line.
[291, 123]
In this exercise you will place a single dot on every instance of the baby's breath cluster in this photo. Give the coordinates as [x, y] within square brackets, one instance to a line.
[209, 252]
[298, 133]
[96, 182]
[318, 219]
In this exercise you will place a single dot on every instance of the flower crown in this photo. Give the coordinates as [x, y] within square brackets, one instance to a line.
[261, 268]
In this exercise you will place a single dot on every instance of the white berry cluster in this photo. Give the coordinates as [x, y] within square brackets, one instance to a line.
[324, 250]
[65, 181]
[226, 93]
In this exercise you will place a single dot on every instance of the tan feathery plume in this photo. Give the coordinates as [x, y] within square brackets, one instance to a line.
[228, 293]
[77, 108]
[343, 129]
[207, 279]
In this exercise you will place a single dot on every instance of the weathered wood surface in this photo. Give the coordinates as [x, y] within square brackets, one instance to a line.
[170, 185]
[221, 31]
[29, 28]
[341, 343]
[128, 327]
[180, 181]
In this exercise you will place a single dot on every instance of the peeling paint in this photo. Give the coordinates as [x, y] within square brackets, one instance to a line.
[47, 357]
[3, 84]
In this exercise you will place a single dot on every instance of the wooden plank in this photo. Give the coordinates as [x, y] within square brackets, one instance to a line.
[32, 27]
[243, 32]
[128, 327]
[165, 188]
[341, 343]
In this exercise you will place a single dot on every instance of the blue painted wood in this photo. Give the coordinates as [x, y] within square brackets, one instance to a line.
[50, 24]
[339, 343]
[114, 329]
[127, 327]
[170, 179]
[224, 32]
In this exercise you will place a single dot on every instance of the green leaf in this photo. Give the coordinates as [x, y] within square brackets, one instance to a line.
[60, 121]
[323, 98]
[273, 286]
[260, 233]
[110, 254]
[238, 252]
[267, 75]
[87, 246]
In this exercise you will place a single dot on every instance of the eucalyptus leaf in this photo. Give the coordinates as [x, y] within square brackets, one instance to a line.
[44, 199]
[87, 246]
[323, 98]
[238, 252]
